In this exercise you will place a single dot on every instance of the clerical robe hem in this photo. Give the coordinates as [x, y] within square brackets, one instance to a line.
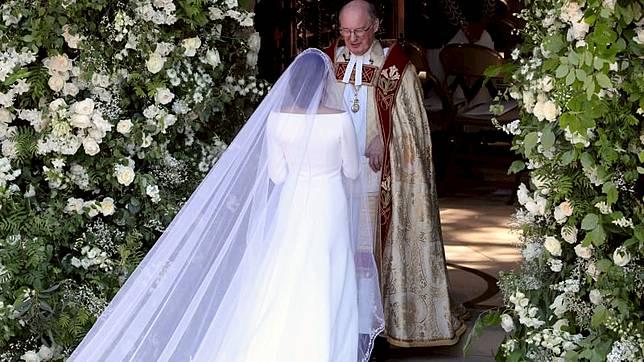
[430, 343]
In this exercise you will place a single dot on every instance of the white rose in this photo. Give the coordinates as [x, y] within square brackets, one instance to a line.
[80, 120]
[550, 111]
[592, 270]
[583, 252]
[507, 323]
[107, 206]
[559, 324]
[639, 38]
[163, 95]
[146, 140]
[555, 265]
[251, 59]
[216, 13]
[56, 83]
[621, 256]
[254, 42]
[86, 107]
[76, 262]
[552, 245]
[595, 296]
[559, 305]
[57, 104]
[191, 45]
[90, 146]
[31, 191]
[124, 174]
[547, 83]
[31, 356]
[124, 126]
[569, 234]
[70, 89]
[231, 3]
[6, 116]
[523, 195]
[155, 63]
[9, 149]
[58, 63]
[212, 57]
[563, 211]
[74, 205]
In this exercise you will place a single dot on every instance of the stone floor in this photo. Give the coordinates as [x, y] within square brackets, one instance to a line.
[478, 245]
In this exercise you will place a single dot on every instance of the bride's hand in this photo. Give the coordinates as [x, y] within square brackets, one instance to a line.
[375, 153]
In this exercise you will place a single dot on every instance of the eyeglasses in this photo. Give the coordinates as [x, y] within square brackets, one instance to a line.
[357, 32]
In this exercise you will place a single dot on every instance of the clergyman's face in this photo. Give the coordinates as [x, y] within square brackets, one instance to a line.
[358, 30]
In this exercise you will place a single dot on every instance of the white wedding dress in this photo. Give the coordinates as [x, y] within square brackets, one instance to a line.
[304, 304]
[270, 260]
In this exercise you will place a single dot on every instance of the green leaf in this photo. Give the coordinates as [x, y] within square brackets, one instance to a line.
[598, 235]
[562, 70]
[580, 74]
[604, 265]
[516, 166]
[589, 85]
[603, 80]
[567, 157]
[598, 63]
[599, 316]
[611, 192]
[588, 58]
[587, 160]
[570, 78]
[529, 143]
[547, 138]
[573, 58]
[589, 222]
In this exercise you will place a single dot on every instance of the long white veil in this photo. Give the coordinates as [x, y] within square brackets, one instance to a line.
[185, 296]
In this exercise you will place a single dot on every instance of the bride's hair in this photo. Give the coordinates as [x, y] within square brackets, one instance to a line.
[308, 72]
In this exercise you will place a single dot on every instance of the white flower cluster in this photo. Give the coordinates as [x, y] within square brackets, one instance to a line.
[122, 24]
[159, 118]
[244, 87]
[9, 60]
[8, 17]
[73, 41]
[557, 341]
[512, 128]
[92, 256]
[527, 314]
[535, 204]
[216, 13]
[624, 350]
[45, 353]
[210, 154]
[91, 208]
[153, 192]
[6, 172]
[573, 14]
[82, 123]
[157, 11]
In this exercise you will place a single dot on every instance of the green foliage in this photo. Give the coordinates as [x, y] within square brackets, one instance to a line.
[110, 115]
[579, 80]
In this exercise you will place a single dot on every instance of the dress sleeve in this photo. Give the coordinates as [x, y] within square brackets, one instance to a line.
[277, 167]
[349, 149]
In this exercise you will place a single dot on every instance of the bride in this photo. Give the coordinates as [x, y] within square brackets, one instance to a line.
[270, 259]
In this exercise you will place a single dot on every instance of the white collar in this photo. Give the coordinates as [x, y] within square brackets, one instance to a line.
[355, 61]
